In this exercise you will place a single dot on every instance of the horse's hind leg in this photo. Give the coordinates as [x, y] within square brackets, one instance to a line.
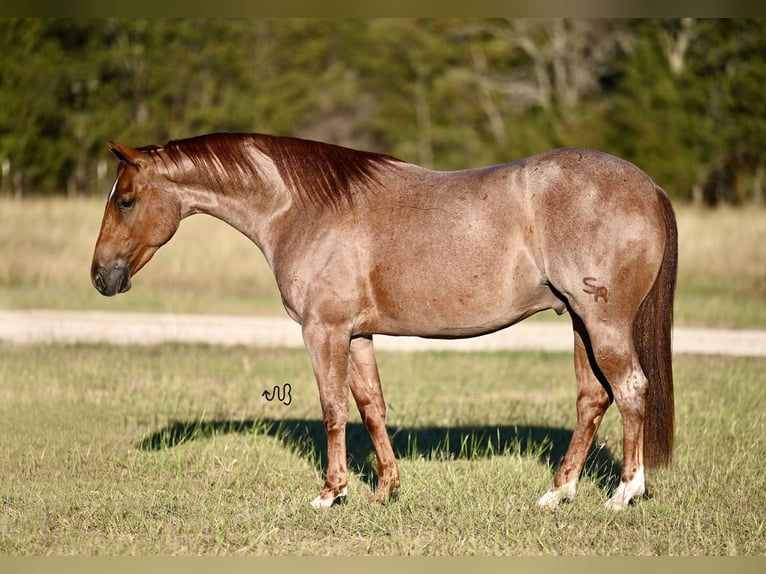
[368, 394]
[592, 401]
[612, 347]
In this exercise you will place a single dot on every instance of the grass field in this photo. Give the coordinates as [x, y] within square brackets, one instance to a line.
[173, 450]
[208, 267]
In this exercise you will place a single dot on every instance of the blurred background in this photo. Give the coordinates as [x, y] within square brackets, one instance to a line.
[682, 98]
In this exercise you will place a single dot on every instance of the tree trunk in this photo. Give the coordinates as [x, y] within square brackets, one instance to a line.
[757, 190]
[422, 111]
[495, 120]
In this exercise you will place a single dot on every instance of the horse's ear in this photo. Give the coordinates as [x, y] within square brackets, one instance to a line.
[125, 153]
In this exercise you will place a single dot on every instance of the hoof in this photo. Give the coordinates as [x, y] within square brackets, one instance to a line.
[622, 499]
[627, 491]
[324, 503]
[617, 503]
[381, 498]
[557, 495]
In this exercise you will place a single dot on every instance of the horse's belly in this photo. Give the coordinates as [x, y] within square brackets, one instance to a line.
[454, 303]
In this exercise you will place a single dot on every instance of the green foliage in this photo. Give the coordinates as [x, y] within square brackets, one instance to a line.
[679, 97]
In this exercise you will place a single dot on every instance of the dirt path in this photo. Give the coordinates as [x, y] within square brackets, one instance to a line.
[150, 328]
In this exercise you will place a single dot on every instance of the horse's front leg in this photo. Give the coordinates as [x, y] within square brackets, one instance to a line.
[368, 394]
[329, 351]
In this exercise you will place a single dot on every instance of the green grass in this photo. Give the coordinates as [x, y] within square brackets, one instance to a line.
[173, 450]
[210, 268]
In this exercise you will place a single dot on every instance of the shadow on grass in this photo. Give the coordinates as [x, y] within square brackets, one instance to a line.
[307, 438]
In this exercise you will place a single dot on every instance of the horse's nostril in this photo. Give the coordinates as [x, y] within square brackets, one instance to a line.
[124, 281]
[98, 281]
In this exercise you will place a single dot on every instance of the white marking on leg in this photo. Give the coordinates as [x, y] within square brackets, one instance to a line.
[324, 503]
[556, 495]
[627, 491]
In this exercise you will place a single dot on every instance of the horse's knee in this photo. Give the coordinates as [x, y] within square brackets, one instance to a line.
[370, 403]
[373, 413]
[335, 417]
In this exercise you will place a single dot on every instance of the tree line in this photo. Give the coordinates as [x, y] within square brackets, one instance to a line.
[682, 98]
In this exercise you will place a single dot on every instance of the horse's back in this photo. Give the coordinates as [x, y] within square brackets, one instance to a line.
[566, 225]
[454, 254]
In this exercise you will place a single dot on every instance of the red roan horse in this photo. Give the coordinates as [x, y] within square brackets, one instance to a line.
[363, 243]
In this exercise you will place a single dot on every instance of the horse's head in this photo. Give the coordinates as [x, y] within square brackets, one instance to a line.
[140, 216]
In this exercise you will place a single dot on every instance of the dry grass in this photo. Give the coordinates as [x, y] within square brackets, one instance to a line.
[210, 268]
[722, 267]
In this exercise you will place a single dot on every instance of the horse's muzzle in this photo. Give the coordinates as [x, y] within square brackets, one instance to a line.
[111, 280]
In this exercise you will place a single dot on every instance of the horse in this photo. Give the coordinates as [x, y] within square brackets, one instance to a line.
[363, 243]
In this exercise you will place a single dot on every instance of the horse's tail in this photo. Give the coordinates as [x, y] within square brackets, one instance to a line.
[652, 331]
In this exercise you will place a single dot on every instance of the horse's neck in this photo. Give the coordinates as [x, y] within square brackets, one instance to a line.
[253, 211]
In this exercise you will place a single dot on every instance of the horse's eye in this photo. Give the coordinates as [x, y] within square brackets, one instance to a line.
[125, 203]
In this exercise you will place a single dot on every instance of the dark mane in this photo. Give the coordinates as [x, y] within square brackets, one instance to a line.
[320, 173]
